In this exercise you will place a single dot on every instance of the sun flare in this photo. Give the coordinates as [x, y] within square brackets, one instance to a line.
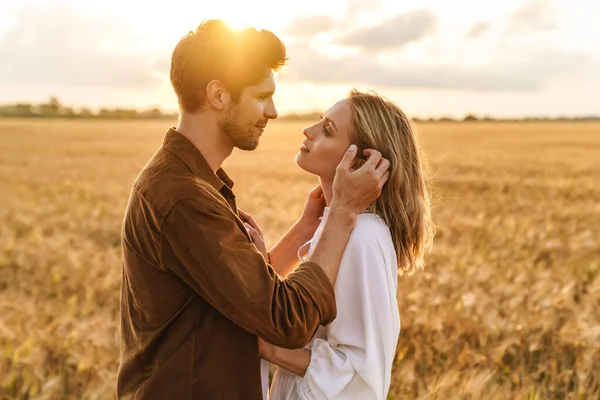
[244, 15]
[238, 22]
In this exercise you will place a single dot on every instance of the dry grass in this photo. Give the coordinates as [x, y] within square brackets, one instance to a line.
[508, 308]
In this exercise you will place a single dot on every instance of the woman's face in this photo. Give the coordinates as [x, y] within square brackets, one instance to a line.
[326, 142]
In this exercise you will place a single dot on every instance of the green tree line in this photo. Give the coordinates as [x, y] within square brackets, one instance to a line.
[53, 108]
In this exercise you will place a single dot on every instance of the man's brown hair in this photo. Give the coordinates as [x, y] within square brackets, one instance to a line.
[215, 51]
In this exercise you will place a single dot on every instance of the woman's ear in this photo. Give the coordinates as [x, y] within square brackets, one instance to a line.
[357, 163]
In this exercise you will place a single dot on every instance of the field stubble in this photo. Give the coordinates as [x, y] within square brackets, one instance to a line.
[508, 307]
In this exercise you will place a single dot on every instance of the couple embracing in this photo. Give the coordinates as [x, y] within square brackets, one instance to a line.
[205, 307]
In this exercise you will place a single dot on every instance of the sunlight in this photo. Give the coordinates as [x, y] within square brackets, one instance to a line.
[238, 22]
[240, 14]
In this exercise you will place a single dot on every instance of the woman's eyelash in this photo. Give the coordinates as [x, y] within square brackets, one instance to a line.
[325, 130]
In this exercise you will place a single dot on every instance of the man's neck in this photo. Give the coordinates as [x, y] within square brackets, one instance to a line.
[203, 131]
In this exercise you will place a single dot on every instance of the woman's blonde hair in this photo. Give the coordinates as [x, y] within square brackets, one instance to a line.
[405, 203]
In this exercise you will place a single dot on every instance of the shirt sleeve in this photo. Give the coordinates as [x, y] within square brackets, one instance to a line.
[355, 361]
[206, 245]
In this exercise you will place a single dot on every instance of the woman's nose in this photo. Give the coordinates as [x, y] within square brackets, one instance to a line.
[306, 133]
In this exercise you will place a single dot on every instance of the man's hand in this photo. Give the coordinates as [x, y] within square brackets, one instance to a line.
[313, 208]
[255, 232]
[355, 190]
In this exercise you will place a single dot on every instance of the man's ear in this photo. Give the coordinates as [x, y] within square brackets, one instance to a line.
[217, 95]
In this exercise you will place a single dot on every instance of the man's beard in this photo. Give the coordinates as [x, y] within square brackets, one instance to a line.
[238, 131]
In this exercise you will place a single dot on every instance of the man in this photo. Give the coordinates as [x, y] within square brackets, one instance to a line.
[196, 292]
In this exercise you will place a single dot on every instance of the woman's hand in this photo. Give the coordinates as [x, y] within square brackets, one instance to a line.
[294, 360]
[313, 208]
[255, 232]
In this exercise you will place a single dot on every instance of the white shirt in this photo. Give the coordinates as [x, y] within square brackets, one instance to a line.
[352, 357]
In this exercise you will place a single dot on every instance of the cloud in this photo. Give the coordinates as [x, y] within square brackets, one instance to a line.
[309, 25]
[528, 71]
[395, 32]
[61, 45]
[356, 8]
[478, 30]
[534, 15]
[496, 64]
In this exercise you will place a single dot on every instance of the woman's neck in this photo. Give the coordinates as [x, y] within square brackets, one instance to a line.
[327, 187]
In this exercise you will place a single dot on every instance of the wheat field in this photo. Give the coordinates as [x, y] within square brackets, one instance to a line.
[508, 307]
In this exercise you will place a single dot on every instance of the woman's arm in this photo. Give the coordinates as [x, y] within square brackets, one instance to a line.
[296, 361]
[284, 255]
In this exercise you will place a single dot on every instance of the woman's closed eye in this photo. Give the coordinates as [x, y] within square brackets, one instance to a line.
[325, 129]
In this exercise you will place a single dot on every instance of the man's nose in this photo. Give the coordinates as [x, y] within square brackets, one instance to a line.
[271, 111]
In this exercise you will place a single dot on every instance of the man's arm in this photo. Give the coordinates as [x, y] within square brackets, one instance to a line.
[206, 246]
[283, 256]
[328, 250]
[353, 191]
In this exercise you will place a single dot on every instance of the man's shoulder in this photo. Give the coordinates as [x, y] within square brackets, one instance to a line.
[165, 181]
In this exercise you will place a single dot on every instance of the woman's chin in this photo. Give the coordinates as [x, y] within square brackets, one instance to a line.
[301, 163]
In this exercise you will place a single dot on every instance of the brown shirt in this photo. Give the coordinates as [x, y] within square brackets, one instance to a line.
[196, 292]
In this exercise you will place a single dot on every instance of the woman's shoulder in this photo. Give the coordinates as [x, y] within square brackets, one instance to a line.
[370, 233]
[370, 248]
[370, 226]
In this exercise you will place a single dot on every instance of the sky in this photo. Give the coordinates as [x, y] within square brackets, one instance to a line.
[433, 58]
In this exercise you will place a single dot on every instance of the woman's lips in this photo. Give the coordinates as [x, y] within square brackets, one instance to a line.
[304, 148]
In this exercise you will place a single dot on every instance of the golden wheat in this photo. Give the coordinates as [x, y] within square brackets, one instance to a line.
[508, 307]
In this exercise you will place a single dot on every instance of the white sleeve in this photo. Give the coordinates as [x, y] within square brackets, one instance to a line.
[264, 377]
[355, 361]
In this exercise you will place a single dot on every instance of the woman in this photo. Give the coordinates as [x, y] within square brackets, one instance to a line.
[352, 357]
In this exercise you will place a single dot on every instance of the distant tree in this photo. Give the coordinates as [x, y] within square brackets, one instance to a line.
[23, 109]
[52, 108]
[447, 119]
[125, 113]
[105, 113]
[86, 113]
[470, 117]
[68, 112]
[152, 113]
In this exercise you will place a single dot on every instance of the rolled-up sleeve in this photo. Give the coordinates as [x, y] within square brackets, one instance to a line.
[205, 245]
